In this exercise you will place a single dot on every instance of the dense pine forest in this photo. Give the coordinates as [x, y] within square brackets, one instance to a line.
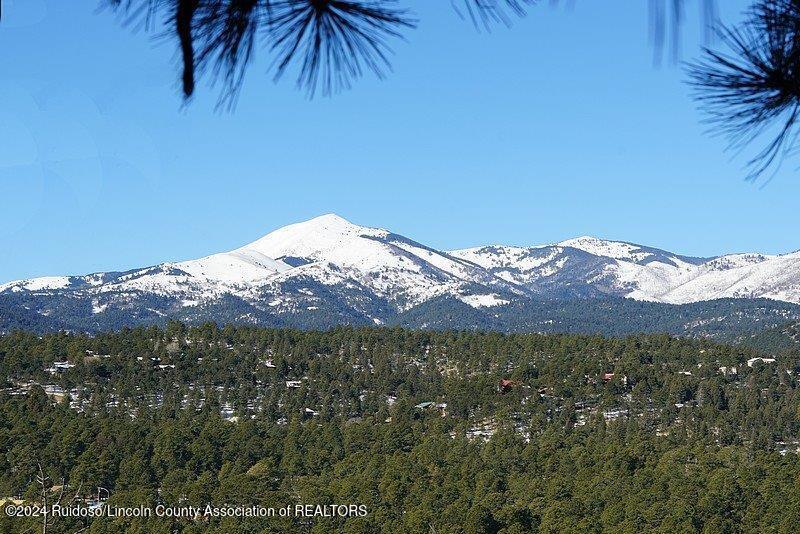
[421, 431]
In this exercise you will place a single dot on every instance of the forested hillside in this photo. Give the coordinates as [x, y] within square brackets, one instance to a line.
[729, 320]
[444, 432]
[780, 338]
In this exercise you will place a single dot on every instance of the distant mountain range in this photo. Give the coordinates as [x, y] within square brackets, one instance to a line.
[328, 271]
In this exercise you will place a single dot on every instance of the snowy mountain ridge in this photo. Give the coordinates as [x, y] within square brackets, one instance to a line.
[330, 265]
[642, 273]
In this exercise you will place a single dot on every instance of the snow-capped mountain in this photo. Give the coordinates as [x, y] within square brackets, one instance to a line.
[587, 266]
[326, 264]
[328, 270]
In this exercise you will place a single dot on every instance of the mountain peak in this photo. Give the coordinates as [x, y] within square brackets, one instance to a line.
[601, 247]
[328, 219]
[583, 240]
[312, 239]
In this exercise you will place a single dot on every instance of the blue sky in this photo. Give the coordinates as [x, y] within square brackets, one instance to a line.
[558, 127]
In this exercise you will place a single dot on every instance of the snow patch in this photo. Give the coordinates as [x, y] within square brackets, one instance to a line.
[483, 301]
[37, 284]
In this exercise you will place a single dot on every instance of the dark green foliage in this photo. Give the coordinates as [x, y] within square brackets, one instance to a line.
[731, 320]
[669, 443]
[781, 338]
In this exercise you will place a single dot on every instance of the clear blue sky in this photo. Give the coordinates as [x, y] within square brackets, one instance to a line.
[556, 128]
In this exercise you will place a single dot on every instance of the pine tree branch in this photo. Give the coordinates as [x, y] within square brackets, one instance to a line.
[754, 90]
